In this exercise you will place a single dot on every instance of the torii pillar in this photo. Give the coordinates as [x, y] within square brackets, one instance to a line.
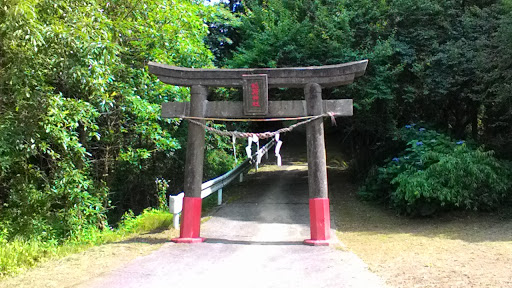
[319, 214]
[256, 83]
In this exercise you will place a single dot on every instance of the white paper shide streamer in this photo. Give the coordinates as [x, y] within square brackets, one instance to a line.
[278, 148]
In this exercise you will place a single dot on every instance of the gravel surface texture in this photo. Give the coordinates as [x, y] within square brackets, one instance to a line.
[254, 242]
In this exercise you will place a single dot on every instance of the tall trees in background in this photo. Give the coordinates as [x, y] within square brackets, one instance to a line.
[441, 62]
[497, 76]
[443, 65]
[453, 53]
[304, 33]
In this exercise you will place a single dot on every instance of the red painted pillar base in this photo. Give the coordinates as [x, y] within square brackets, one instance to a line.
[191, 221]
[320, 222]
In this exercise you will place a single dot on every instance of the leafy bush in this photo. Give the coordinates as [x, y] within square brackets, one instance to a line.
[435, 173]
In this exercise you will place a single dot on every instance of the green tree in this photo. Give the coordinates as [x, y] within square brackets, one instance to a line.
[496, 61]
[80, 125]
[306, 33]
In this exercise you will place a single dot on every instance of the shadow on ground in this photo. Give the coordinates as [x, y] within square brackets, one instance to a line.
[145, 240]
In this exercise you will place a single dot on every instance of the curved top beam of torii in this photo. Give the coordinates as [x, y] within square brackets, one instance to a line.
[326, 76]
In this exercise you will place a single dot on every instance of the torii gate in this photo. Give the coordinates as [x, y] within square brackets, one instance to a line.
[255, 83]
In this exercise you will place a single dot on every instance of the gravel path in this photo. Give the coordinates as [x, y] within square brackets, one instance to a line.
[255, 242]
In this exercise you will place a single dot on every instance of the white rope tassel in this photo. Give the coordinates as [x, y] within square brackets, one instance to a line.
[234, 149]
[278, 148]
[259, 153]
[248, 148]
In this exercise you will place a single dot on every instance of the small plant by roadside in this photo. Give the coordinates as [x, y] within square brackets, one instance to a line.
[436, 173]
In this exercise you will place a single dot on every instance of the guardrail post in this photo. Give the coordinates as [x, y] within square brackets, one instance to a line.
[241, 177]
[176, 220]
[219, 197]
[319, 215]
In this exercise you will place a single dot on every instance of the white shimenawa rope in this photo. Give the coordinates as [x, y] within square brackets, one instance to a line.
[255, 137]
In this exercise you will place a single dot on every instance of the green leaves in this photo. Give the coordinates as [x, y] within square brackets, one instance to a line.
[436, 173]
[292, 33]
[80, 123]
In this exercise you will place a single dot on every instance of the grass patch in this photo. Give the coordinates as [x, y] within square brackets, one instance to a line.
[149, 220]
[18, 255]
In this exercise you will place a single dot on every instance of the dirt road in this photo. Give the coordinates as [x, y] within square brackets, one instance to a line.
[254, 242]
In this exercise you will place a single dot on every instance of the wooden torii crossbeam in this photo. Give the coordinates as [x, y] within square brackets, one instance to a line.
[255, 83]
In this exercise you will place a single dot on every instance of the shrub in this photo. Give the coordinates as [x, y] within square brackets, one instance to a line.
[436, 173]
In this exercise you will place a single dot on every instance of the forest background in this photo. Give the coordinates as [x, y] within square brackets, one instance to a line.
[82, 142]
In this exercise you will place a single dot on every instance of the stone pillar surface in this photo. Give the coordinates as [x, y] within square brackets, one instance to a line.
[191, 221]
[319, 215]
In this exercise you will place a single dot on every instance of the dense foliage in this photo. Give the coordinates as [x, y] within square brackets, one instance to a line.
[81, 136]
[444, 63]
[436, 173]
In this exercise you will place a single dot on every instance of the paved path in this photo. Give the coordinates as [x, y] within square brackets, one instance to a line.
[255, 242]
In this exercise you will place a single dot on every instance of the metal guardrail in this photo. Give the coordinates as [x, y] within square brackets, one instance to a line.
[216, 184]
